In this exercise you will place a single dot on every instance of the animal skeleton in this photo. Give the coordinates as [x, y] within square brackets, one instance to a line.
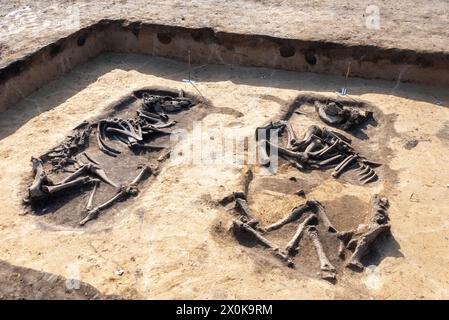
[151, 120]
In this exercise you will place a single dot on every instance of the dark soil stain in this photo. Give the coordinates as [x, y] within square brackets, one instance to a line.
[29, 284]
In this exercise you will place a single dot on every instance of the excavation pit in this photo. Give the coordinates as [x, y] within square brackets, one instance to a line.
[172, 235]
[101, 156]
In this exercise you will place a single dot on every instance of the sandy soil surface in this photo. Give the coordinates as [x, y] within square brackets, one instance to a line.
[25, 25]
[174, 242]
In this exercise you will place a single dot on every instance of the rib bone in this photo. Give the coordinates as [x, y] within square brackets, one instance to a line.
[343, 165]
[330, 160]
[370, 178]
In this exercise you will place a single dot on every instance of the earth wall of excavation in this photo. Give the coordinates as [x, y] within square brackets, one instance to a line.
[204, 46]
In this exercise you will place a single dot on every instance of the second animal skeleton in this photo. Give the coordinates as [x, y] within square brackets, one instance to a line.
[319, 148]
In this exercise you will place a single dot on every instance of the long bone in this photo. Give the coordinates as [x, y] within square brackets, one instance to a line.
[322, 215]
[298, 156]
[312, 145]
[264, 159]
[62, 187]
[74, 175]
[278, 252]
[101, 173]
[91, 196]
[164, 125]
[291, 135]
[343, 239]
[293, 243]
[40, 177]
[328, 270]
[294, 215]
[343, 165]
[130, 189]
[92, 168]
[148, 116]
[149, 128]
[326, 150]
[330, 160]
[242, 206]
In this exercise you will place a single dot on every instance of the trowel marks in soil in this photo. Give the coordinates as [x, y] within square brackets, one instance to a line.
[106, 160]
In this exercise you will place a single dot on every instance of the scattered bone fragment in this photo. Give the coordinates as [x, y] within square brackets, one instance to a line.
[242, 206]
